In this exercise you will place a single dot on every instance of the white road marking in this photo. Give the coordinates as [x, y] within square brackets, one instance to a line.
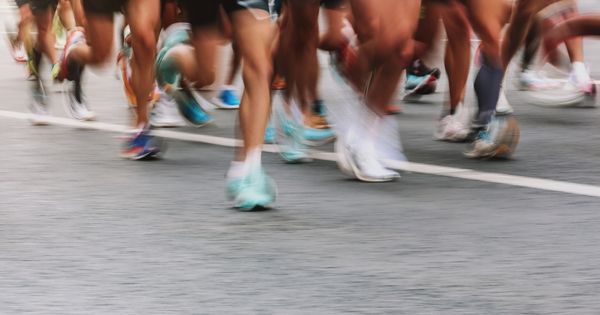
[429, 169]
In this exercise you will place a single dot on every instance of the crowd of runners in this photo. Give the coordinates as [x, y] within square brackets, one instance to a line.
[169, 50]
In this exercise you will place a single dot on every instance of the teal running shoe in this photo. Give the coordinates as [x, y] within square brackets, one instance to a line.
[270, 134]
[290, 139]
[256, 191]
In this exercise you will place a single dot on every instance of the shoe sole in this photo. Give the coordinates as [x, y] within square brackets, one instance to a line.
[412, 94]
[349, 168]
[220, 105]
[263, 207]
[318, 143]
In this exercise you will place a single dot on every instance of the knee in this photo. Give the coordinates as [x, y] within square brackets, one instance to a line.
[258, 69]
[205, 78]
[144, 43]
[368, 30]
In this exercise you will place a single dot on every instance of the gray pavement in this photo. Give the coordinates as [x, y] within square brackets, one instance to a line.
[84, 232]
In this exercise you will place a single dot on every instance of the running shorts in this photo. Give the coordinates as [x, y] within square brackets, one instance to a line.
[42, 5]
[332, 4]
[234, 5]
[104, 7]
[206, 12]
[21, 3]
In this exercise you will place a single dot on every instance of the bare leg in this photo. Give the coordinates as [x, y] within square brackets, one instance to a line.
[458, 52]
[254, 37]
[65, 13]
[45, 37]
[144, 18]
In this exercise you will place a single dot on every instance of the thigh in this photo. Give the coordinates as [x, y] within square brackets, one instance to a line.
[202, 14]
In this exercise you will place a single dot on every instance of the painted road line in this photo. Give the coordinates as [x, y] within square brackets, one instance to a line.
[429, 169]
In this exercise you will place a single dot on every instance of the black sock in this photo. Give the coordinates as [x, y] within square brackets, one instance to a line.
[487, 88]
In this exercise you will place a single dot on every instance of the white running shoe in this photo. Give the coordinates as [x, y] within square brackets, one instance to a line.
[165, 113]
[578, 91]
[453, 128]
[38, 107]
[388, 145]
[361, 161]
[531, 80]
[75, 103]
[450, 129]
[569, 95]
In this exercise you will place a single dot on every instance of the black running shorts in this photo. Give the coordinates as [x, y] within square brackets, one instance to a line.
[206, 12]
[201, 13]
[332, 4]
[21, 3]
[234, 5]
[38, 6]
[103, 7]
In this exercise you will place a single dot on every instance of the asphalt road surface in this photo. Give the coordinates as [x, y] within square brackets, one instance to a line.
[85, 232]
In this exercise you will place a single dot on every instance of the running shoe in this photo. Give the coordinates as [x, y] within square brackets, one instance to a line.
[165, 113]
[420, 85]
[140, 146]
[38, 106]
[270, 134]
[190, 108]
[290, 140]
[361, 162]
[318, 132]
[420, 79]
[418, 68]
[74, 37]
[569, 95]
[17, 49]
[530, 80]
[317, 137]
[255, 191]
[499, 139]
[75, 103]
[451, 129]
[578, 91]
[227, 99]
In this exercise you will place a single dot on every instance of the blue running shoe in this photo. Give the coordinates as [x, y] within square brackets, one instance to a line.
[190, 109]
[227, 99]
[269, 134]
[140, 146]
[255, 191]
[318, 137]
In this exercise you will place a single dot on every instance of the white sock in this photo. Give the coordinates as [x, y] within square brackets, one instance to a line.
[253, 159]
[228, 87]
[580, 72]
[237, 169]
